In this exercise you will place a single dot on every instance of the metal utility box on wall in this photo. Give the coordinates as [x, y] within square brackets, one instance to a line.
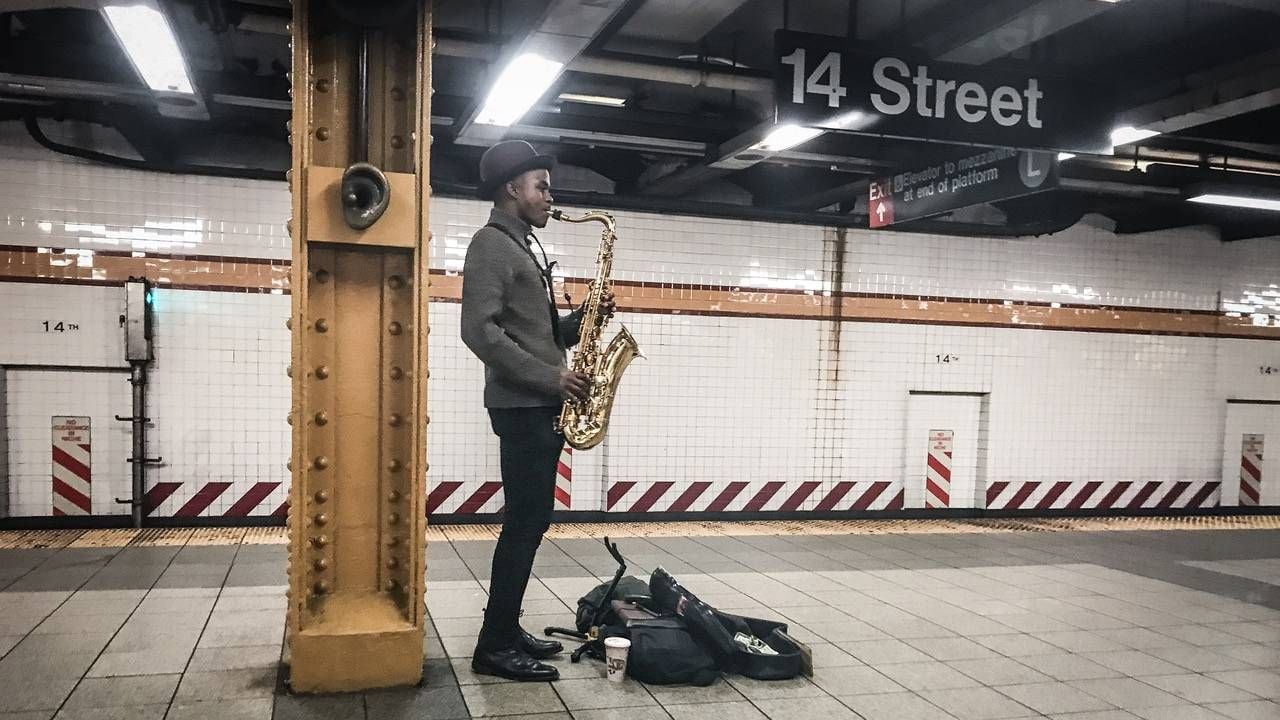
[137, 320]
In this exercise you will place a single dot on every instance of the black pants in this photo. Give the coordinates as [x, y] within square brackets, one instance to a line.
[529, 448]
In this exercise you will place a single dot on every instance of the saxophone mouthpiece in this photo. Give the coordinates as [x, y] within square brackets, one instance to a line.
[557, 214]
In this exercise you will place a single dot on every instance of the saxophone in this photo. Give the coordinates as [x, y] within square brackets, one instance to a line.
[584, 422]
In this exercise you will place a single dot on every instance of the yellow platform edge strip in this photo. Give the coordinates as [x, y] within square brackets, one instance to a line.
[177, 537]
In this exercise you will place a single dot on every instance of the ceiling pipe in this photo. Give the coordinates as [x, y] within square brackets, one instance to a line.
[1142, 156]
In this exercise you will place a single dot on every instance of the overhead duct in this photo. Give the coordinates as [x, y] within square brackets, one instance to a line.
[533, 64]
[1213, 95]
[632, 68]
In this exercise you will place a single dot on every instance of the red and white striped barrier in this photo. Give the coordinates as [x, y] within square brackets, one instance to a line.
[937, 477]
[72, 466]
[1117, 495]
[484, 497]
[1251, 470]
[636, 497]
[564, 479]
[259, 499]
[487, 497]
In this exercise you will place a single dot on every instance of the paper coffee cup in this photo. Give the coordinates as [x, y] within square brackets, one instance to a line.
[615, 657]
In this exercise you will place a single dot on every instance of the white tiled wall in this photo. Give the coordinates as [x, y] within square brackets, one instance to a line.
[717, 399]
[219, 395]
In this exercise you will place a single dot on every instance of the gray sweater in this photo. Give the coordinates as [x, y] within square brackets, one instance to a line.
[506, 321]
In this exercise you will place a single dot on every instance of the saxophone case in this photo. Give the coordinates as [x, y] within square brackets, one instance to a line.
[715, 630]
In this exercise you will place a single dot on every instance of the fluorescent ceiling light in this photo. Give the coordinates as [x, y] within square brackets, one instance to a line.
[1065, 156]
[519, 86]
[1243, 201]
[594, 99]
[1130, 134]
[151, 45]
[785, 137]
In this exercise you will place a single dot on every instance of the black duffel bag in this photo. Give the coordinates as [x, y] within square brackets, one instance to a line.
[664, 653]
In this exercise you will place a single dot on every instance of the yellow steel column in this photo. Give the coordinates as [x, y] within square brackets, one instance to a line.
[357, 535]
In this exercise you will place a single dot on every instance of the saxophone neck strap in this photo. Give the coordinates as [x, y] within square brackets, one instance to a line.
[544, 272]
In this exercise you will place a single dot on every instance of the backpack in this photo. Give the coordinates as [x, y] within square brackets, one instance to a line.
[628, 587]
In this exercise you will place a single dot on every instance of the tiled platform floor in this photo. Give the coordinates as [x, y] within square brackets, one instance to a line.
[1156, 624]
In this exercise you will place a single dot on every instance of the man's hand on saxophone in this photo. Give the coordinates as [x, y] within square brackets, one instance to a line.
[607, 306]
[574, 385]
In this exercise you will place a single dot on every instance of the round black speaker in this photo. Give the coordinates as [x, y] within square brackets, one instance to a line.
[365, 195]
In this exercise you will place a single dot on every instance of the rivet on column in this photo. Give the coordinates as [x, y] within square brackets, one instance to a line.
[321, 462]
[322, 84]
[395, 420]
[393, 465]
[320, 564]
[322, 325]
[320, 541]
[322, 418]
[322, 519]
[395, 282]
[321, 587]
[322, 276]
[391, 585]
[322, 372]
[396, 373]
[394, 496]
[322, 133]
[393, 518]
[393, 563]
[395, 328]
[321, 496]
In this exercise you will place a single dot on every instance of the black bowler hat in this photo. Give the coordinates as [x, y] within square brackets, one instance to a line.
[508, 160]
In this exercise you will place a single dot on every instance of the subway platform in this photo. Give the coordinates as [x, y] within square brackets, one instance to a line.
[1088, 619]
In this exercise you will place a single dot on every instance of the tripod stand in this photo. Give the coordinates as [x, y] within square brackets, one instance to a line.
[591, 638]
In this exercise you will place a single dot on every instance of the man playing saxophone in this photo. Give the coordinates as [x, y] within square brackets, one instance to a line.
[510, 322]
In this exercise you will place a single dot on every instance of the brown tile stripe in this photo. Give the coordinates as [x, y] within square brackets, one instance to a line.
[854, 307]
[24, 264]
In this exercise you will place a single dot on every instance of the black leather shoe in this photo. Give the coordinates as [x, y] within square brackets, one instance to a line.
[538, 649]
[512, 664]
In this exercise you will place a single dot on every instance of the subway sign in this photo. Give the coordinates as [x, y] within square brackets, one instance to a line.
[821, 82]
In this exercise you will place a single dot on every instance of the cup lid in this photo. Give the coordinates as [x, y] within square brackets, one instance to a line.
[617, 642]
